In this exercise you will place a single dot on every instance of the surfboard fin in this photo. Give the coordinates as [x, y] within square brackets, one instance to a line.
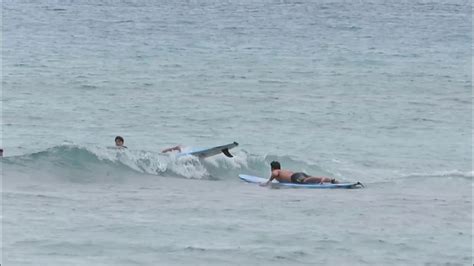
[227, 153]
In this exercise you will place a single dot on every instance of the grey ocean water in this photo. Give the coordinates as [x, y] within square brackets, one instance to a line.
[370, 91]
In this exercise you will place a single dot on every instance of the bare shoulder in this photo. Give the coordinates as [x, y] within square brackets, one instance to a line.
[276, 172]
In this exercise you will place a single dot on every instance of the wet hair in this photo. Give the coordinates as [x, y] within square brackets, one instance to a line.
[119, 138]
[275, 165]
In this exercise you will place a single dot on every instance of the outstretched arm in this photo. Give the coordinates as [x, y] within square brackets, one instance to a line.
[175, 148]
[269, 181]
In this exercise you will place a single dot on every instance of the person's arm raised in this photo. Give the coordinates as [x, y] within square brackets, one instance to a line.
[175, 148]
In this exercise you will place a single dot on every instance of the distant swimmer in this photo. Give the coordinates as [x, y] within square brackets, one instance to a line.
[1, 152]
[285, 176]
[119, 143]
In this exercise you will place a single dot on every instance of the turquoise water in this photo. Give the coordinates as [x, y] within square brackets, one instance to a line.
[370, 91]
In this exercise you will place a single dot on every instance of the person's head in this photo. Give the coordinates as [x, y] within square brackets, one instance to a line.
[1, 152]
[119, 141]
[275, 165]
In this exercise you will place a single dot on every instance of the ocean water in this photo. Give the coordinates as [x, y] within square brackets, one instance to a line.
[373, 91]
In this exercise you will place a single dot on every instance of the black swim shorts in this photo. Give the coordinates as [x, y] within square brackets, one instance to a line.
[298, 178]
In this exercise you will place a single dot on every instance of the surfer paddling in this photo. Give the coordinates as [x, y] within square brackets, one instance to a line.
[286, 176]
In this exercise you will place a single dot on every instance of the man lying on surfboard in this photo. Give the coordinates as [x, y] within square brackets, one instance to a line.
[285, 176]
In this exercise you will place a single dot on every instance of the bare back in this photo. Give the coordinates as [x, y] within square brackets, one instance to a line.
[283, 176]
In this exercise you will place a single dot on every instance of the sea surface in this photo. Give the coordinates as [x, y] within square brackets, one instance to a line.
[373, 91]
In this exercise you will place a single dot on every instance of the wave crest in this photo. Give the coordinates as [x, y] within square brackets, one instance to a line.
[447, 173]
[83, 164]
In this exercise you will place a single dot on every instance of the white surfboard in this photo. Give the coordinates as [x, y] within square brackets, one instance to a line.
[208, 152]
[275, 183]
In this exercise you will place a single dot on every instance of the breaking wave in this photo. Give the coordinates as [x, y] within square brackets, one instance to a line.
[88, 164]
